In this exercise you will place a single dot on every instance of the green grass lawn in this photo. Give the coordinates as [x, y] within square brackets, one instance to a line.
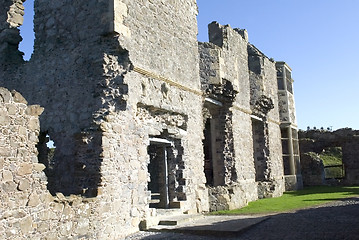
[332, 156]
[307, 197]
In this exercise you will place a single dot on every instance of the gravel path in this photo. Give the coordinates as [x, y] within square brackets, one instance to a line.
[332, 221]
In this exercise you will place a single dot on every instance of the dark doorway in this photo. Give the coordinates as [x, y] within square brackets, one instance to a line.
[159, 150]
[208, 157]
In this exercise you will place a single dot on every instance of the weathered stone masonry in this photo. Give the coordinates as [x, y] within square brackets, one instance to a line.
[289, 128]
[240, 86]
[129, 95]
[27, 209]
[317, 141]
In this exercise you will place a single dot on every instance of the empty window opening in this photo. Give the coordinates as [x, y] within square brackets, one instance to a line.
[332, 158]
[280, 84]
[26, 30]
[166, 173]
[208, 157]
[47, 150]
[260, 150]
[290, 151]
[214, 144]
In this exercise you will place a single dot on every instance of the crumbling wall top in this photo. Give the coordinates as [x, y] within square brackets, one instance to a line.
[11, 17]
[222, 34]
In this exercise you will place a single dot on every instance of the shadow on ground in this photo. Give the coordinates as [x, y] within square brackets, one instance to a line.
[337, 220]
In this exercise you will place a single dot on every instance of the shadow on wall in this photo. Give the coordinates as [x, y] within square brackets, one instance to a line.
[77, 174]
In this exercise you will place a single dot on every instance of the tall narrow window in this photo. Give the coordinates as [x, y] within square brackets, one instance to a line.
[26, 30]
[208, 159]
[259, 149]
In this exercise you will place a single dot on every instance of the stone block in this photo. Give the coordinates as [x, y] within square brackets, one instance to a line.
[24, 169]
[7, 176]
[5, 95]
[34, 124]
[22, 131]
[18, 97]
[39, 167]
[24, 184]
[26, 225]
[9, 187]
[83, 226]
[4, 118]
[34, 200]
[34, 110]
[11, 109]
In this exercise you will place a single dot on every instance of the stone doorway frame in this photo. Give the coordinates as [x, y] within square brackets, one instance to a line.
[164, 195]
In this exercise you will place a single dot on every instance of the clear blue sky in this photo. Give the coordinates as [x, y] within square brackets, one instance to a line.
[319, 39]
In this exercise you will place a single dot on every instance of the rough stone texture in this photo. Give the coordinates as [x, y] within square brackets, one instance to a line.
[124, 88]
[264, 99]
[11, 17]
[312, 169]
[243, 82]
[316, 141]
[27, 209]
[107, 87]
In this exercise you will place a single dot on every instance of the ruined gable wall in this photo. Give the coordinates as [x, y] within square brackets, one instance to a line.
[233, 59]
[65, 75]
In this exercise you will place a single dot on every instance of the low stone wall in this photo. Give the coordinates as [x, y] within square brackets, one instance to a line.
[312, 169]
[318, 140]
[232, 197]
[22, 178]
[351, 160]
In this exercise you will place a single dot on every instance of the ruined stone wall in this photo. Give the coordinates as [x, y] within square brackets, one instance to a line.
[112, 77]
[165, 33]
[165, 86]
[11, 17]
[230, 62]
[264, 99]
[21, 174]
[96, 67]
[312, 169]
[65, 75]
[28, 210]
[224, 72]
[316, 141]
[351, 160]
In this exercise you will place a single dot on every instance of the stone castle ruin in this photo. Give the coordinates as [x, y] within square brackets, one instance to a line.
[144, 119]
[314, 142]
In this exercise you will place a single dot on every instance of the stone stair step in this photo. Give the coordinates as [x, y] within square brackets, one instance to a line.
[177, 220]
